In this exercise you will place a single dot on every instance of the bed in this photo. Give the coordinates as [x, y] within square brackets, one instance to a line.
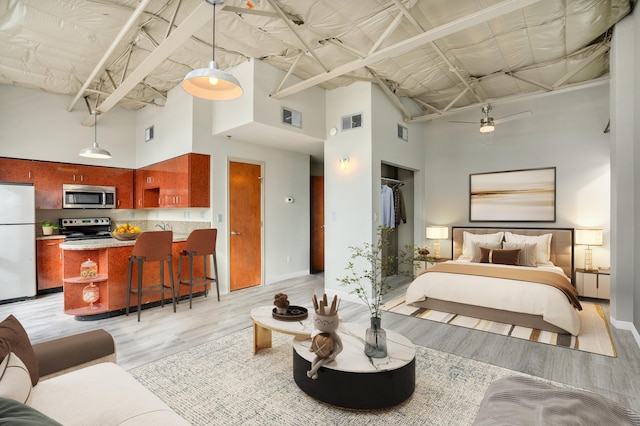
[483, 282]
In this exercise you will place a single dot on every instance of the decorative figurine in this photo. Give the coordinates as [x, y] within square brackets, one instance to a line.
[282, 303]
[325, 342]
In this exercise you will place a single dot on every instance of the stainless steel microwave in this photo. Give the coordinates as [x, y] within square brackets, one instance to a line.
[88, 197]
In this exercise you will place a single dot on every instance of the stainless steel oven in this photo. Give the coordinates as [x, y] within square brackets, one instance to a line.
[88, 197]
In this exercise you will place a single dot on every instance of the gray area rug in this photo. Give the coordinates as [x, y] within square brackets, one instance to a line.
[222, 383]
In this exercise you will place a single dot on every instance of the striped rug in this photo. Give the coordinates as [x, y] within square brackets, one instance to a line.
[594, 333]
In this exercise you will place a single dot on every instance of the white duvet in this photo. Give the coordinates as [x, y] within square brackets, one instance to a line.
[499, 293]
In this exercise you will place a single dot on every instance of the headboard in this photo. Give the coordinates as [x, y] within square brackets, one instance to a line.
[561, 242]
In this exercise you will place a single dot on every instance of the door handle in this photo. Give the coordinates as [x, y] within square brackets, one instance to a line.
[235, 233]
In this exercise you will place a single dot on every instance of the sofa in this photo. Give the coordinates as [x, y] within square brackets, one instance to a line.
[72, 380]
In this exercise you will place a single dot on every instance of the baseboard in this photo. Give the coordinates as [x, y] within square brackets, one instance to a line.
[626, 325]
[272, 280]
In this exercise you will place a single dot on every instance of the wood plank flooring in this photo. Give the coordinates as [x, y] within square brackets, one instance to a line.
[161, 332]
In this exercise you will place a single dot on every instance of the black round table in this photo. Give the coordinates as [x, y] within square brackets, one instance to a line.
[354, 380]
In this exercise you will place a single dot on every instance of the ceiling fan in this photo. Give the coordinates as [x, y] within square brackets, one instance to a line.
[488, 124]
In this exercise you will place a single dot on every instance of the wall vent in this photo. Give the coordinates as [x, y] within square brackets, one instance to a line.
[403, 133]
[291, 117]
[351, 121]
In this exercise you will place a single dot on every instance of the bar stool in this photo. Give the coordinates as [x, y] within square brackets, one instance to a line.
[151, 247]
[200, 242]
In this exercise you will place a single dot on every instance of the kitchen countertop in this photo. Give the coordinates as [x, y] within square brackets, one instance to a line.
[102, 243]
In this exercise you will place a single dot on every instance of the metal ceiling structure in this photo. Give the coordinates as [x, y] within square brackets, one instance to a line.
[446, 56]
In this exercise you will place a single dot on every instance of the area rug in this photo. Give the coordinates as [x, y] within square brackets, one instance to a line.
[594, 333]
[222, 383]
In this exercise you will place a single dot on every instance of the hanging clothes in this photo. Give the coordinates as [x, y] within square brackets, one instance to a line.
[398, 201]
[388, 208]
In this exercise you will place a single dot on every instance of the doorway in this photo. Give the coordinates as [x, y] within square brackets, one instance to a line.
[317, 224]
[245, 225]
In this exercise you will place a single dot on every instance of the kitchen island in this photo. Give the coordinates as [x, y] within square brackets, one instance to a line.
[112, 259]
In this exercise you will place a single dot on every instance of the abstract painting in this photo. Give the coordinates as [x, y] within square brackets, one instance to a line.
[513, 196]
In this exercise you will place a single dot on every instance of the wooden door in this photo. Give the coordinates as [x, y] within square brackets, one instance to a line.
[317, 223]
[245, 225]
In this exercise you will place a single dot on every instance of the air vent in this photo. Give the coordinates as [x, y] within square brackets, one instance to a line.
[403, 133]
[351, 121]
[291, 117]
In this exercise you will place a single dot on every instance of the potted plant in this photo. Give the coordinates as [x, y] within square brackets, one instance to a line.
[48, 227]
[371, 283]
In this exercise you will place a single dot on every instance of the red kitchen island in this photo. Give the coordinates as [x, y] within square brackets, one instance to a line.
[112, 258]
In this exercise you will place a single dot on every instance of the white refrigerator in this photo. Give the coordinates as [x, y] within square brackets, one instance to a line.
[17, 242]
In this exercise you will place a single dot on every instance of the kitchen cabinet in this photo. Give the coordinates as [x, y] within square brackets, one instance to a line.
[176, 183]
[15, 170]
[49, 263]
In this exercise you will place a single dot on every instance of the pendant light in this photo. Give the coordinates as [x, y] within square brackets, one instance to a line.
[212, 83]
[95, 151]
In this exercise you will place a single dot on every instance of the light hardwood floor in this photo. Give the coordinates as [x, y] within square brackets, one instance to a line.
[161, 332]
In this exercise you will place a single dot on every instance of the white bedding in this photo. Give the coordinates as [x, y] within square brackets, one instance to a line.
[499, 293]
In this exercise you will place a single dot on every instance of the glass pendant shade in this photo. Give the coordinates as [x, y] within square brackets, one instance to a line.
[94, 151]
[212, 83]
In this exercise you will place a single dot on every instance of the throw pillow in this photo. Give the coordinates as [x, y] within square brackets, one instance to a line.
[476, 249]
[501, 256]
[13, 338]
[15, 382]
[527, 252]
[543, 248]
[16, 414]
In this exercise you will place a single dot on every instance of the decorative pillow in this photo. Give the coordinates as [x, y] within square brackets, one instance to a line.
[15, 382]
[14, 339]
[16, 414]
[468, 239]
[527, 252]
[543, 248]
[477, 246]
[501, 256]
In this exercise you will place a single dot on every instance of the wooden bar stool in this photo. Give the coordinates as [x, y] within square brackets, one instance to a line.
[151, 247]
[201, 242]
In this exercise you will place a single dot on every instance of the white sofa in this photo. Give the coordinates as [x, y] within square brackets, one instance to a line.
[72, 381]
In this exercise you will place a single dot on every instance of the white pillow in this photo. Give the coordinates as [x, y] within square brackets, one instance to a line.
[477, 253]
[527, 252]
[543, 247]
[468, 240]
[15, 381]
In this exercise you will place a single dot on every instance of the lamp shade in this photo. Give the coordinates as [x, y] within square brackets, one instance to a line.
[437, 232]
[589, 237]
[212, 83]
[94, 152]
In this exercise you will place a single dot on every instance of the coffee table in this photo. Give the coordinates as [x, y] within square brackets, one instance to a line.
[264, 324]
[353, 380]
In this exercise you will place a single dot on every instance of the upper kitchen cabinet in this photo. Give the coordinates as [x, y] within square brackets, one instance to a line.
[15, 170]
[176, 183]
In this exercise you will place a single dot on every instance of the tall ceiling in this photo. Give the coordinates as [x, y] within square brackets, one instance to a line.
[445, 55]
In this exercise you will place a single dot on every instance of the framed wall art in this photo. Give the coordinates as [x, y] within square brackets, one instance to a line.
[513, 196]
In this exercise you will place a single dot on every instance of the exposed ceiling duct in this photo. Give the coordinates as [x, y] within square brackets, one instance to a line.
[444, 55]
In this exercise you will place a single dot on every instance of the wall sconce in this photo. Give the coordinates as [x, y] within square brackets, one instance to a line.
[437, 233]
[588, 237]
[344, 163]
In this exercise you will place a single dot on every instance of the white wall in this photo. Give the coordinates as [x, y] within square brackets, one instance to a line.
[565, 131]
[36, 125]
[625, 191]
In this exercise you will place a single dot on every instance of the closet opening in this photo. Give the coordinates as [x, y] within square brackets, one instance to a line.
[397, 213]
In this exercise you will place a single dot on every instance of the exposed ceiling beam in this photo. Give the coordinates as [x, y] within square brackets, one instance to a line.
[586, 61]
[98, 68]
[392, 96]
[453, 27]
[200, 16]
[245, 11]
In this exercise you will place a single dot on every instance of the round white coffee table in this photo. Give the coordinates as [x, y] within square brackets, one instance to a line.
[264, 323]
[353, 380]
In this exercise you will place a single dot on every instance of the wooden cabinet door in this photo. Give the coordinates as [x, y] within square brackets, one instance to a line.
[48, 180]
[16, 170]
[199, 180]
[49, 263]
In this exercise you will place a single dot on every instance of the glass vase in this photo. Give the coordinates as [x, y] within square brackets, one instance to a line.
[375, 340]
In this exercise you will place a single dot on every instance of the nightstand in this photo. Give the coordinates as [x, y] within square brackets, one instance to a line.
[424, 264]
[595, 283]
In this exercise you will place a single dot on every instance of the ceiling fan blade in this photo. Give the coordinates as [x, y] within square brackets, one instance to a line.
[517, 116]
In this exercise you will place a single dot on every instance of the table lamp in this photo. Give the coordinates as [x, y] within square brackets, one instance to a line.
[588, 237]
[437, 233]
